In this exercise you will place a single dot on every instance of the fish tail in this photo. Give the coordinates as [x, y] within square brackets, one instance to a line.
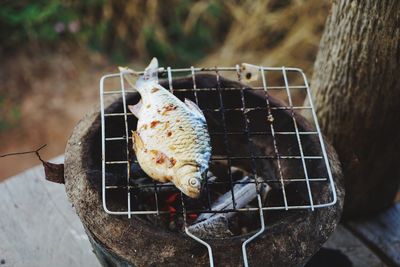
[142, 82]
[150, 76]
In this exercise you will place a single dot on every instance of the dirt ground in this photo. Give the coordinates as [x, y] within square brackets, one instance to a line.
[51, 92]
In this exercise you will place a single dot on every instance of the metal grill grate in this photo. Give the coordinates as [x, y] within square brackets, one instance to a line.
[285, 91]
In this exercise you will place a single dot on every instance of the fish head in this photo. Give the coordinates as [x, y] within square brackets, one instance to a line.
[190, 182]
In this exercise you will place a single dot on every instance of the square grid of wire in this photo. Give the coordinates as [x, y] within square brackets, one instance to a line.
[264, 72]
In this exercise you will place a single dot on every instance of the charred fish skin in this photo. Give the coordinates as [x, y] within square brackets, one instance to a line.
[171, 141]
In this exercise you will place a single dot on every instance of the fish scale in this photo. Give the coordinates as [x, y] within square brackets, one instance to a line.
[187, 135]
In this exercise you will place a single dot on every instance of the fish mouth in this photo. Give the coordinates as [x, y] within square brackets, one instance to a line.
[189, 191]
[189, 180]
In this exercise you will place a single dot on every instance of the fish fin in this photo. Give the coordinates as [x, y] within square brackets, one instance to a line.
[133, 140]
[153, 64]
[129, 75]
[137, 141]
[150, 75]
[194, 108]
[135, 109]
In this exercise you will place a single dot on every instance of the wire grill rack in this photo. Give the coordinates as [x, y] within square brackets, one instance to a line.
[285, 90]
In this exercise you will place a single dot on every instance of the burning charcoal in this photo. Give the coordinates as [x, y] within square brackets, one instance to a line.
[216, 227]
[238, 173]
[245, 192]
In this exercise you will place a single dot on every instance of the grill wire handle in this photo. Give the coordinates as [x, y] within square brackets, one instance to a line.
[204, 243]
[255, 73]
[244, 251]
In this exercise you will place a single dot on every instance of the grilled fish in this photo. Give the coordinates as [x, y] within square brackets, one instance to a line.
[171, 141]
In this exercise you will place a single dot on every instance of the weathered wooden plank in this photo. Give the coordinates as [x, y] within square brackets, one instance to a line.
[38, 226]
[382, 232]
[360, 255]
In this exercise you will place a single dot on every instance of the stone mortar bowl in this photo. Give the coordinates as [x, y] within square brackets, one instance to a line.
[289, 240]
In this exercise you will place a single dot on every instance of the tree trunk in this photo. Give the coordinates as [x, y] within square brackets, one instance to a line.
[356, 88]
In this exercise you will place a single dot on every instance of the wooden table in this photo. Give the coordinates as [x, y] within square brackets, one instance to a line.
[38, 226]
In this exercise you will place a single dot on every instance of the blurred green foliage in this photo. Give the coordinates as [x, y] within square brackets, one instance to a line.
[35, 21]
[184, 47]
[177, 32]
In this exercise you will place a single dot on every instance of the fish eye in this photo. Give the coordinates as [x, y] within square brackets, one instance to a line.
[194, 182]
